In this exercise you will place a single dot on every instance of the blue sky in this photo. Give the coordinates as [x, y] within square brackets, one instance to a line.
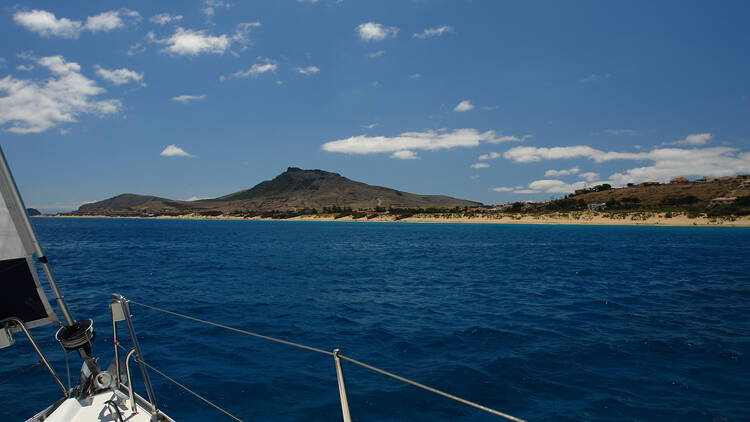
[484, 100]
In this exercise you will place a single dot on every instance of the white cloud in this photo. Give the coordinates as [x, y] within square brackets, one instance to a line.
[187, 42]
[113, 19]
[526, 191]
[429, 140]
[666, 163]
[35, 106]
[692, 139]
[555, 186]
[464, 105]
[307, 1]
[558, 173]
[415, 76]
[474, 177]
[370, 126]
[175, 151]
[136, 48]
[184, 99]
[589, 176]
[502, 189]
[590, 78]
[619, 132]
[533, 154]
[371, 31]
[309, 70]
[25, 67]
[376, 54]
[46, 24]
[490, 156]
[479, 166]
[210, 6]
[256, 70]
[119, 76]
[405, 154]
[508, 138]
[433, 32]
[2, 63]
[164, 18]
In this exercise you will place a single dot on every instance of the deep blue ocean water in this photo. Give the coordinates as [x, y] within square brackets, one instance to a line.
[548, 323]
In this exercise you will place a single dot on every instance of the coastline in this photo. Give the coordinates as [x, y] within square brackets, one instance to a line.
[587, 218]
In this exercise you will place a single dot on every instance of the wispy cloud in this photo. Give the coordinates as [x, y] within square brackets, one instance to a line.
[184, 99]
[376, 54]
[119, 76]
[255, 70]
[405, 154]
[309, 70]
[490, 156]
[464, 105]
[164, 18]
[32, 106]
[589, 176]
[175, 151]
[136, 48]
[187, 42]
[25, 67]
[210, 6]
[620, 132]
[558, 173]
[371, 31]
[480, 166]
[429, 140]
[502, 189]
[665, 163]
[415, 76]
[692, 139]
[370, 126]
[433, 32]
[47, 25]
[590, 78]
[113, 19]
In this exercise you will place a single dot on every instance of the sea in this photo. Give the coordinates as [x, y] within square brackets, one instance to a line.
[544, 322]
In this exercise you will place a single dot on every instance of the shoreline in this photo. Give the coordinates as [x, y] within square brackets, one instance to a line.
[583, 218]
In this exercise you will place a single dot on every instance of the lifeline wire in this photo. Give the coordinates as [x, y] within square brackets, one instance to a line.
[226, 327]
[315, 349]
[193, 392]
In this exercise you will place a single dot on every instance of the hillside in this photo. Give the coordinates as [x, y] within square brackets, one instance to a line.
[694, 194]
[293, 190]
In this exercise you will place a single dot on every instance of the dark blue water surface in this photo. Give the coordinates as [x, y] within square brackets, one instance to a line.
[548, 323]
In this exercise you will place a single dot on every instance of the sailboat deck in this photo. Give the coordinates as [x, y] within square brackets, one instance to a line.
[95, 408]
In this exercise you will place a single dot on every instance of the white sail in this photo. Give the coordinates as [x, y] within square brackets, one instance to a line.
[21, 294]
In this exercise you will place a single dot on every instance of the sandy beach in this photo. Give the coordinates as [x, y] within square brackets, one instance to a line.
[592, 218]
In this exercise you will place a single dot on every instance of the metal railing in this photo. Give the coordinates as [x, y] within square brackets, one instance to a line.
[11, 321]
[336, 354]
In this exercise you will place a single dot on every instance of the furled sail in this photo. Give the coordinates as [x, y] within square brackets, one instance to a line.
[21, 294]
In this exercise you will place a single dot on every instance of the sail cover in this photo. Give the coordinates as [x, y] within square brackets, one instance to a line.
[21, 294]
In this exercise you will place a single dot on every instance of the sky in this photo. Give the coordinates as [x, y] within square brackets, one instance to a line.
[490, 101]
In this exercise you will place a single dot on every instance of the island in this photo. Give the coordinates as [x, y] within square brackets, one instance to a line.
[317, 195]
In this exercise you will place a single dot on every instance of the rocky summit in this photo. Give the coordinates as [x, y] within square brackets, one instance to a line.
[293, 190]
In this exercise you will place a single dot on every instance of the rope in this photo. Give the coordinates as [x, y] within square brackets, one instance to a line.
[237, 330]
[314, 349]
[432, 390]
[205, 400]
